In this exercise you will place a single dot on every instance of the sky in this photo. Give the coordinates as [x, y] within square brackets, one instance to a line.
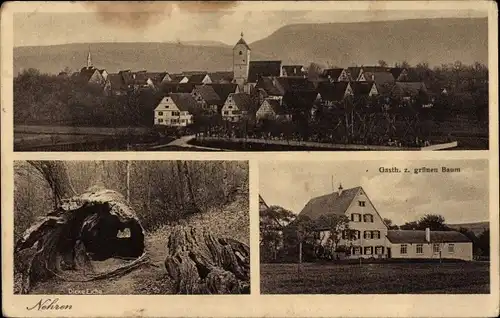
[460, 197]
[190, 21]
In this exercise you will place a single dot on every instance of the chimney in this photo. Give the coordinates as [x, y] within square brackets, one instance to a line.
[428, 235]
[340, 189]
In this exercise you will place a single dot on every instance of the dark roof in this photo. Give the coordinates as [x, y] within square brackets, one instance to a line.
[208, 94]
[196, 78]
[184, 101]
[372, 69]
[411, 236]
[332, 91]
[263, 68]
[242, 101]
[116, 81]
[294, 84]
[354, 72]
[293, 70]
[127, 77]
[276, 106]
[329, 204]
[361, 88]
[221, 77]
[177, 87]
[87, 72]
[176, 77]
[223, 90]
[267, 84]
[332, 73]
[241, 41]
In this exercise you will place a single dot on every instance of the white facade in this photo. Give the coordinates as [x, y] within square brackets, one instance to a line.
[167, 113]
[454, 250]
[230, 110]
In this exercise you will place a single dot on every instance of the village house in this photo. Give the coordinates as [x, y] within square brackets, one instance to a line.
[236, 107]
[364, 89]
[408, 91]
[272, 109]
[293, 70]
[206, 97]
[429, 244]
[336, 75]
[197, 78]
[175, 110]
[331, 93]
[371, 237]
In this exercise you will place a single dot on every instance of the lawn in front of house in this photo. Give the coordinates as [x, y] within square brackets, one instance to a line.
[385, 278]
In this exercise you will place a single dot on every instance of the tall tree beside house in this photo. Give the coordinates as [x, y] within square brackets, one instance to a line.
[413, 225]
[272, 222]
[434, 222]
[390, 225]
[313, 71]
[484, 243]
[337, 227]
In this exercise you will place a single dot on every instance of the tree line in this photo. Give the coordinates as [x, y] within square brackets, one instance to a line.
[161, 192]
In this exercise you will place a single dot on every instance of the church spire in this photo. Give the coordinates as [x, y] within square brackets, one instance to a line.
[89, 59]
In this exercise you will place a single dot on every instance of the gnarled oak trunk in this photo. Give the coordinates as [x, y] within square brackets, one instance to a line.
[201, 263]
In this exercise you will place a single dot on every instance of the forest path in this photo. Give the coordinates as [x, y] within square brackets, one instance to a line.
[232, 220]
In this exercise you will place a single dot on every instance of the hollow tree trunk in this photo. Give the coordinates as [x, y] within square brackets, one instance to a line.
[77, 226]
[200, 263]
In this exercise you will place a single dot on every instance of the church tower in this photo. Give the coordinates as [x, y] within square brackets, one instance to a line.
[241, 61]
[89, 60]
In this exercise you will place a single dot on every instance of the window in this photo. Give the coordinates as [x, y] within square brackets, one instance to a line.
[176, 113]
[160, 120]
[226, 113]
[368, 250]
[230, 107]
[376, 234]
[368, 218]
[367, 235]
[420, 248]
[435, 248]
[379, 250]
[160, 113]
[356, 250]
[183, 120]
[361, 203]
[451, 248]
[355, 217]
[404, 249]
[241, 53]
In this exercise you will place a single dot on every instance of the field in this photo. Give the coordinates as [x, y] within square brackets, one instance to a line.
[394, 278]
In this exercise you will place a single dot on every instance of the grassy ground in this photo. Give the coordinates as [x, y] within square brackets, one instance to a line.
[423, 278]
[230, 221]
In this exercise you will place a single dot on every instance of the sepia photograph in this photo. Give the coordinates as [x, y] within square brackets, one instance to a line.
[374, 227]
[214, 76]
[131, 227]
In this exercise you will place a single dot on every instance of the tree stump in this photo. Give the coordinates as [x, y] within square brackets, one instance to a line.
[200, 263]
[80, 229]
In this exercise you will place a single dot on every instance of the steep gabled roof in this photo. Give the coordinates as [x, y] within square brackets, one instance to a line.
[242, 101]
[293, 70]
[241, 41]
[266, 83]
[263, 68]
[87, 72]
[116, 81]
[196, 78]
[184, 101]
[294, 84]
[208, 94]
[332, 91]
[332, 73]
[396, 71]
[330, 204]
[221, 77]
[381, 78]
[412, 236]
[373, 69]
[276, 106]
[361, 88]
[223, 90]
[354, 72]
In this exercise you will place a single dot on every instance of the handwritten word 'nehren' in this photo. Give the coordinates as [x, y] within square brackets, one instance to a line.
[49, 304]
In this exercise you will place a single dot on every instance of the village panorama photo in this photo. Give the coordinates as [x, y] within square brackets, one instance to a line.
[131, 227]
[374, 227]
[222, 77]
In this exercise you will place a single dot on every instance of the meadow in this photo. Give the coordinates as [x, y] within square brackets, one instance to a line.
[385, 278]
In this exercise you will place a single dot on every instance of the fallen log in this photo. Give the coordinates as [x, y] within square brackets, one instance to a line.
[79, 230]
[200, 263]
